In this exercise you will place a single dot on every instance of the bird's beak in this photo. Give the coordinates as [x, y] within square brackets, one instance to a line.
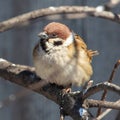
[43, 36]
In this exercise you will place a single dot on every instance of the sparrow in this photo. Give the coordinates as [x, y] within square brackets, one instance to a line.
[62, 57]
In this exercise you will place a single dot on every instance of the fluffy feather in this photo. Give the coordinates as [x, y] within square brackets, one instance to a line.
[63, 64]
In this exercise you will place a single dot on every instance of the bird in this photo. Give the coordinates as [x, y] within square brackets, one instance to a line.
[61, 56]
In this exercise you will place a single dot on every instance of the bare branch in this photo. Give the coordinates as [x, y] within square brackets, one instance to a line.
[73, 102]
[110, 80]
[104, 104]
[25, 76]
[107, 111]
[87, 11]
[102, 86]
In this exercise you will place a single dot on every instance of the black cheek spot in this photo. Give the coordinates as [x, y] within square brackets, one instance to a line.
[57, 43]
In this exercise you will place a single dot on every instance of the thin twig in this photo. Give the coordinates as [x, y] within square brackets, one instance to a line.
[103, 104]
[110, 80]
[27, 17]
[99, 87]
[113, 71]
[107, 111]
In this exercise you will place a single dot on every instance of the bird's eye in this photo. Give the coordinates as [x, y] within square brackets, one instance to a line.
[54, 35]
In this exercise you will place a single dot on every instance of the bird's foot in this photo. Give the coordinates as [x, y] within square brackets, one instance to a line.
[66, 90]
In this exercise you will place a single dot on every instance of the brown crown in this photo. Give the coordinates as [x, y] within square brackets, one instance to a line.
[61, 30]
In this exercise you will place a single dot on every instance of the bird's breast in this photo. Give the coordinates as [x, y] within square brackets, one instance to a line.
[61, 68]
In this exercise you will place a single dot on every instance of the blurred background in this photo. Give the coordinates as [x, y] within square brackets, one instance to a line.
[16, 46]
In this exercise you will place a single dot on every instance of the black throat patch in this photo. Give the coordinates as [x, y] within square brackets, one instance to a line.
[43, 45]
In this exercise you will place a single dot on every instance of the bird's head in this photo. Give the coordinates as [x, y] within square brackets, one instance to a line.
[54, 35]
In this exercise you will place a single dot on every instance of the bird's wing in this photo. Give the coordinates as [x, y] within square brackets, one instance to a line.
[82, 45]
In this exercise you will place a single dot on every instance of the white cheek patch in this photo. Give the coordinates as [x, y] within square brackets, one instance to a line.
[69, 40]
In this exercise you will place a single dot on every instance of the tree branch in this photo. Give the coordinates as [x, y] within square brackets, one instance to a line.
[87, 11]
[73, 102]
[109, 80]
[26, 77]
[102, 86]
[104, 104]
[103, 114]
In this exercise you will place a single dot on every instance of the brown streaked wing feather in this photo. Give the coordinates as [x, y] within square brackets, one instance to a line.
[81, 42]
[82, 45]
